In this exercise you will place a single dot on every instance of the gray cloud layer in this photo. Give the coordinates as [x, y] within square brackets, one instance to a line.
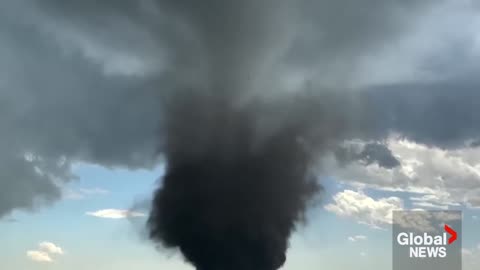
[85, 80]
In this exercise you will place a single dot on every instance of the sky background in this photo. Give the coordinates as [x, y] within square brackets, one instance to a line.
[83, 86]
[89, 242]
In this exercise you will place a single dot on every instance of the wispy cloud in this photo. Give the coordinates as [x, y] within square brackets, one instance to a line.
[44, 252]
[115, 213]
[471, 257]
[8, 220]
[466, 252]
[94, 191]
[82, 193]
[357, 238]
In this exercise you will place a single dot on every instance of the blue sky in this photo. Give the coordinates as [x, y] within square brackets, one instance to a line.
[90, 242]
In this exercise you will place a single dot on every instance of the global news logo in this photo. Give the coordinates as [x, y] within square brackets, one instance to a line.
[426, 245]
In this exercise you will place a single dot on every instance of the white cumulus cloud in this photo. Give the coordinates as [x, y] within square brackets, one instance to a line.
[438, 178]
[364, 209]
[44, 251]
[39, 256]
[115, 213]
[50, 248]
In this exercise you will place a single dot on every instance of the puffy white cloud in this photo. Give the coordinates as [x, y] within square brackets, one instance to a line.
[115, 213]
[357, 238]
[377, 213]
[437, 178]
[44, 252]
[364, 209]
[50, 248]
[39, 256]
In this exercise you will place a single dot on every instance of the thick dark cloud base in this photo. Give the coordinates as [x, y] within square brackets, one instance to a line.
[229, 200]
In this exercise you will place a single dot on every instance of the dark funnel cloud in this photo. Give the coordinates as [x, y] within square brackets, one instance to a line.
[230, 199]
[238, 176]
